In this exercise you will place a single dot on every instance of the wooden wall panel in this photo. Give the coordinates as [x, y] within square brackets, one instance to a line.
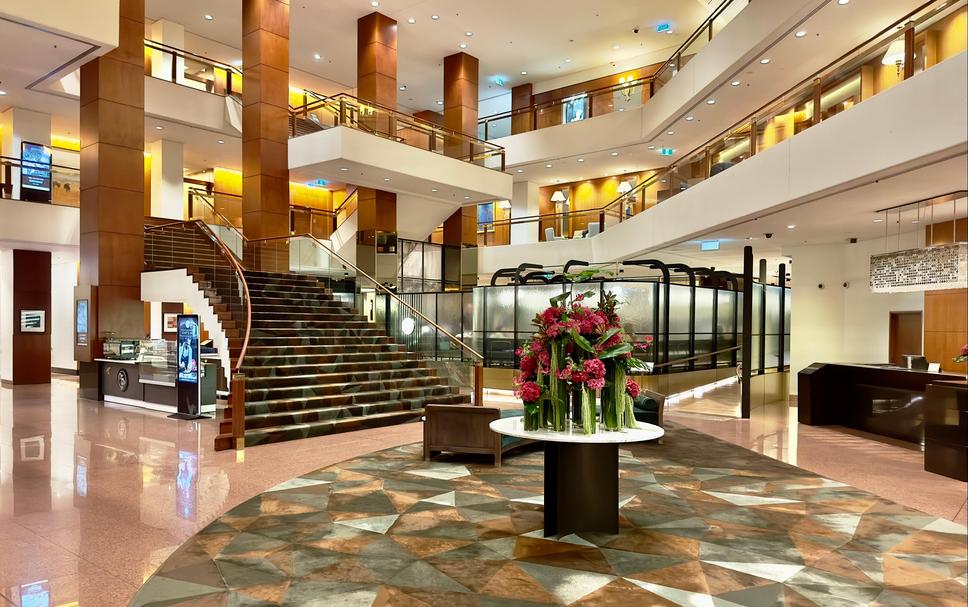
[946, 327]
[376, 59]
[460, 100]
[31, 291]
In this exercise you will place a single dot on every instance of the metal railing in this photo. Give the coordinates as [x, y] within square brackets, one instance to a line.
[619, 97]
[320, 112]
[191, 70]
[829, 91]
[65, 182]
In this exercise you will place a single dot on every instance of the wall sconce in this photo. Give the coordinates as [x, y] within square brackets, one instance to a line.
[895, 55]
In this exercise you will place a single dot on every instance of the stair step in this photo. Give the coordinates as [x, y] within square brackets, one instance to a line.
[264, 436]
[256, 368]
[274, 405]
[313, 390]
[337, 377]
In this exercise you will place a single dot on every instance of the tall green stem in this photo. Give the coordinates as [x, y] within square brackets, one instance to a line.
[588, 417]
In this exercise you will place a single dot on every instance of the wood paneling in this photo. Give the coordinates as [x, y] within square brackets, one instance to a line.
[904, 336]
[460, 101]
[461, 227]
[941, 232]
[113, 178]
[521, 97]
[265, 107]
[31, 291]
[376, 59]
[377, 212]
[946, 327]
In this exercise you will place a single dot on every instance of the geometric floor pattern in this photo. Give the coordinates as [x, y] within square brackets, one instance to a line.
[703, 523]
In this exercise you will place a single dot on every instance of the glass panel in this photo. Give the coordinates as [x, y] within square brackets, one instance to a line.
[679, 298]
[787, 311]
[772, 351]
[432, 260]
[411, 259]
[500, 309]
[704, 309]
[773, 310]
[724, 315]
[790, 116]
[450, 312]
[636, 305]
[532, 300]
[757, 308]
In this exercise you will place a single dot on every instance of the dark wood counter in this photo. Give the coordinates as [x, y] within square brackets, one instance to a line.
[880, 399]
[946, 429]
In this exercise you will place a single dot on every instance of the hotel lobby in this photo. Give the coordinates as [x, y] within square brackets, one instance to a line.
[444, 303]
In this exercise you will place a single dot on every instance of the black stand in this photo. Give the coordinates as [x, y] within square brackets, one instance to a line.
[188, 416]
[581, 488]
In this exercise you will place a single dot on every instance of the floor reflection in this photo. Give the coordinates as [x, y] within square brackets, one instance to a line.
[93, 498]
[889, 468]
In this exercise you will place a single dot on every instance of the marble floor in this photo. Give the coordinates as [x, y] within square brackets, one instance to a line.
[94, 498]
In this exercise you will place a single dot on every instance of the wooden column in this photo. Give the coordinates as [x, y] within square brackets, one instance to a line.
[376, 232]
[112, 181]
[909, 50]
[460, 102]
[31, 292]
[265, 122]
[521, 97]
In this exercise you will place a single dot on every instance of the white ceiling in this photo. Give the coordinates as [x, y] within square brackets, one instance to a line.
[836, 219]
[508, 36]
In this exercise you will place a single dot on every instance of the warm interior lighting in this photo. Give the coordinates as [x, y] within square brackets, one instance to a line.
[895, 55]
[558, 196]
[625, 187]
[67, 143]
[504, 204]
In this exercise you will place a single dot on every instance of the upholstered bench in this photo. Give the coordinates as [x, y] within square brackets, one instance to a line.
[466, 429]
[649, 407]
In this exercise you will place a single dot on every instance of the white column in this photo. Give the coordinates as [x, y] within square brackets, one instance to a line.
[524, 203]
[18, 125]
[173, 35]
[6, 314]
[167, 179]
[63, 279]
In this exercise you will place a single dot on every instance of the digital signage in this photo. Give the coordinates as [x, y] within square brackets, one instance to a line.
[35, 168]
[80, 322]
[188, 377]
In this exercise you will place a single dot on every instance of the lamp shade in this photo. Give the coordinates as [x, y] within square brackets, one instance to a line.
[558, 196]
[504, 204]
[894, 54]
[625, 187]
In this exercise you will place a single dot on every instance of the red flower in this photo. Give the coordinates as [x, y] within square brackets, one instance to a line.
[964, 350]
[597, 383]
[529, 365]
[632, 388]
[530, 392]
[594, 367]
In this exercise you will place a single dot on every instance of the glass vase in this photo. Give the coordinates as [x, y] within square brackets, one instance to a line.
[533, 416]
[613, 396]
[589, 418]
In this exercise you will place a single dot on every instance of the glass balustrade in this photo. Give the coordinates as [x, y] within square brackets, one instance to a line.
[63, 185]
[190, 70]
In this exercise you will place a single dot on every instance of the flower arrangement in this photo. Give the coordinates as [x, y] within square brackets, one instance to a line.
[580, 350]
[963, 357]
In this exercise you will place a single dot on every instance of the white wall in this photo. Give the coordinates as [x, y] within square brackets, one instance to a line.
[18, 125]
[6, 314]
[94, 21]
[30, 223]
[63, 279]
[842, 324]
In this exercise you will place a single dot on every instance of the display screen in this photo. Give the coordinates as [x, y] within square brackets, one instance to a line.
[574, 109]
[186, 483]
[35, 594]
[35, 162]
[80, 322]
[188, 334]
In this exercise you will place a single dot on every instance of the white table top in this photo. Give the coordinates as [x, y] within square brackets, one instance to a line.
[514, 426]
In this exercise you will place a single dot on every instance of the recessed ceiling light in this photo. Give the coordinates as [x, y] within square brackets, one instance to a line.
[710, 102]
[386, 179]
[547, 166]
[317, 56]
[524, 73]
[159, 128]
[567, 60]
[581, 160]
[433, 189]
[467, 197]
[411, 20]
[800, 34]
[735, 83]
[651, 147]
[343, 169]
[403, 87]
[615, 47]
[520, 170]
[670, 132]
[435, 17]
[843, 2]
[462, 45]
[439, 102]
[690, 118]
[915, 221]
[764, 60]
[749, 238]
[878, 221]
[375, 3]
[614, 153]
[2, 93]
[221, 142]
[468, 33]
[791, 226]
[209, 17]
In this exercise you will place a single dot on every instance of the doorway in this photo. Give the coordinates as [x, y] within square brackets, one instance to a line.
[905, 336]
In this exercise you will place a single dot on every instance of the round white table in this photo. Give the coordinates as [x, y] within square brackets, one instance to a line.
[581, 473]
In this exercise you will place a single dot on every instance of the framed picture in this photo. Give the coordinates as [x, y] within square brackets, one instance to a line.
[170, 323]
[33, 321]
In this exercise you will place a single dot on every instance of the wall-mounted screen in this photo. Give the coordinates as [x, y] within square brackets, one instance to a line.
[35, 167]
[80, 322]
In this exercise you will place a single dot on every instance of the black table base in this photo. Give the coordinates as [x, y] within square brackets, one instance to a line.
[581, 488]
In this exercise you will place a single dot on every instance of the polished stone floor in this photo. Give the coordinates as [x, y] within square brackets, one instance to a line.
[94, 498]
[702, 522]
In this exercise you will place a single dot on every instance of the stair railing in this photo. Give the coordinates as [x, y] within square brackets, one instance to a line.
[307, 254]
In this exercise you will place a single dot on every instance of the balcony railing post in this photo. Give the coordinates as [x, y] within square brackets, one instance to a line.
[752, 137]
[817, 95]
[342, 111]
[237, 405]
[479, 385]
[174, 68]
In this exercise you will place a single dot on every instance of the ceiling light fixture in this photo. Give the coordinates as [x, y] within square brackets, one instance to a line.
[440, 102]
[735, 83]
[878, 221]
[468, 33]
[524, 73]
[386, 179]
[651, 147]
[2, 93]
[567, 60]
[375, 3]
[670, 132]
[343, 169]
[764, 60]
[615, 47]
[710, 102]
[614, 153]
[581, 160]
[433, 189]
[791, 226]
[403, 87]
[547, 166]
[843, 2]
[317, 56]
[520, 170]
[209, 17]
[411, 20]
[462, 45]
[800, 34]
[690, 118]
[435, 17]
[159, 128]
[467, 197]
[221, 142]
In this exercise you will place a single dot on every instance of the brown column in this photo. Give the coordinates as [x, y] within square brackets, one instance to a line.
[265, 120]
[31, 293]
[460, 102]
[521, 98]
[376, 80]
[461, 227]
[112, 181]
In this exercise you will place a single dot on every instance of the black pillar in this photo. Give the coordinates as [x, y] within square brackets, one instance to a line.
[747, 331]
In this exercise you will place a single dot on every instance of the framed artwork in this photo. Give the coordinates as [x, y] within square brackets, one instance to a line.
[170, 323]
[33, 321]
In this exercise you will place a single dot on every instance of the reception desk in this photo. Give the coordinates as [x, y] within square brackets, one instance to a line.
[881, 399]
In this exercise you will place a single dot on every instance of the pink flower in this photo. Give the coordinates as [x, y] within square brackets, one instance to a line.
[565, 374]
[530, 392]
[964, 350]
[579, 377]
[580, 297]
[551, 315]
[594, 367]
[529, 364]
[596, 384]
[632, 388]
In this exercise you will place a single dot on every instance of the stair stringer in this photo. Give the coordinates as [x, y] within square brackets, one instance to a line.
[177, 286]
